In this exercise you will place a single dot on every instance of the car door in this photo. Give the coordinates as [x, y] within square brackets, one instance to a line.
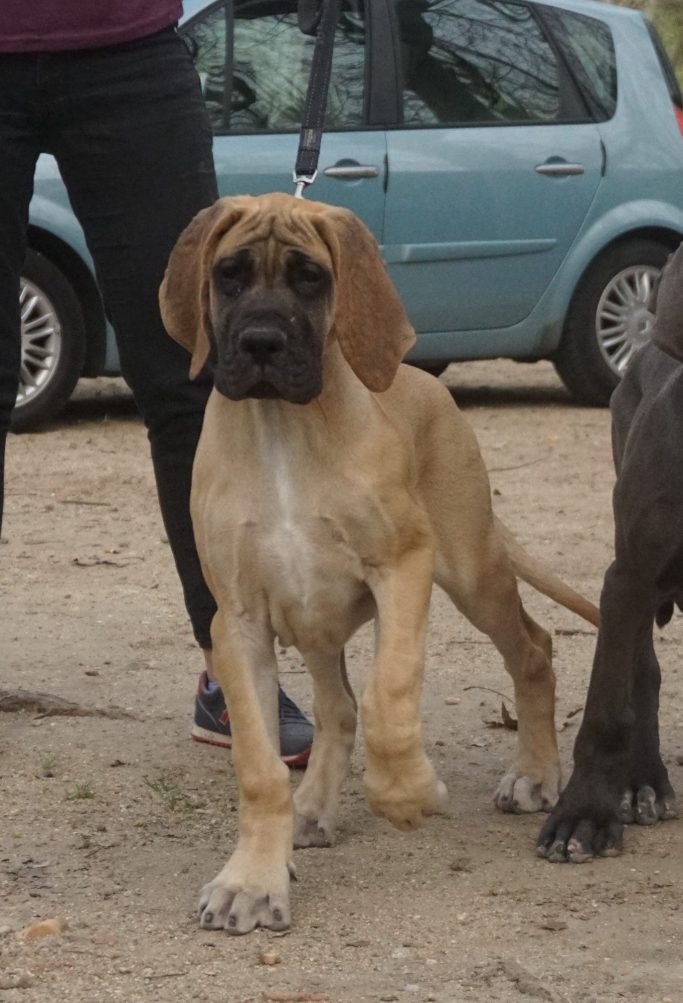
[254, 63]
[492, 170]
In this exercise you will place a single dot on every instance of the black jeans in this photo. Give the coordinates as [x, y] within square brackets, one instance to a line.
[128, 128]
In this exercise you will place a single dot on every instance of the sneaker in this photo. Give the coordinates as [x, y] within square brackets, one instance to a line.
[212, 723]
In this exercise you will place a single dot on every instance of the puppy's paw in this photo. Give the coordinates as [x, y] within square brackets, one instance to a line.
[645, 806]
[314, 831]
[575, 835]
[404, 796]
[240, 905]
[520, 794]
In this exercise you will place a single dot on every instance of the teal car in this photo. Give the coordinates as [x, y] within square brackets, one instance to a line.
[520, 163]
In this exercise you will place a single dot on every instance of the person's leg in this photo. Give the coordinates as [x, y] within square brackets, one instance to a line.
[19, 145]
[134, 148]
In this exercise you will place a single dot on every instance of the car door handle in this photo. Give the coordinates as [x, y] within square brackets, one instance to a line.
[559, 169]
[351, 172]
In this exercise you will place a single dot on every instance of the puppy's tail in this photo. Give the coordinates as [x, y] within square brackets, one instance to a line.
[537, 575]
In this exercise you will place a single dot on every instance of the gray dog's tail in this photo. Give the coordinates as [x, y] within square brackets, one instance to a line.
[537, 575]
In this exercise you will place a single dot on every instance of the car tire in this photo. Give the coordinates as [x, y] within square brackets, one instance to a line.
[53, 343]
[435, 368]
[608, 319]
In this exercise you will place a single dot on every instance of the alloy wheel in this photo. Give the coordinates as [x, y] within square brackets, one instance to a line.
[41, 341]
[623, 321]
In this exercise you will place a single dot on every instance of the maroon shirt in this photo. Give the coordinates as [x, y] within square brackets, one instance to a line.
[52, 25]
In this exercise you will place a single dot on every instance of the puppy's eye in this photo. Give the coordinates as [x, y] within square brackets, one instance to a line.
[306, 275]
[309, 273]
[232, 274]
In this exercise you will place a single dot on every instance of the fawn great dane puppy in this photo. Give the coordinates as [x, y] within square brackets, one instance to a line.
[332, 486]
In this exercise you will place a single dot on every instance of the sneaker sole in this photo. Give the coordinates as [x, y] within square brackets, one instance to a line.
[210, 737]
[223, 742]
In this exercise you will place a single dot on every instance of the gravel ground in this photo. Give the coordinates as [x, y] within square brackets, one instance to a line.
[112, 823]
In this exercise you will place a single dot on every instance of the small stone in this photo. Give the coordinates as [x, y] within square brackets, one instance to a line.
[23, 980]
[460, 864]
[46, 928]
[412, 987]
[553, 924]
[452, 701]
[270, 958]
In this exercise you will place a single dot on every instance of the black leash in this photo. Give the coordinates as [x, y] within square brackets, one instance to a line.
[319, 18]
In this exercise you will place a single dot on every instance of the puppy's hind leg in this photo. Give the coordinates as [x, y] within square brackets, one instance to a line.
[473, 567]
[485, 591]
[334, 706]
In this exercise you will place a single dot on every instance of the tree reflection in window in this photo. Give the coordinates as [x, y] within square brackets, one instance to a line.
[254, 63]
[587, 45]
[471, 61]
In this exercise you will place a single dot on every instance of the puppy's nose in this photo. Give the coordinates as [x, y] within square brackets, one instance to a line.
[261, 343]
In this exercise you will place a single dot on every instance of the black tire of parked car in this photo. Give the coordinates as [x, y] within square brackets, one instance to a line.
[434, 368]
[578, 360]
[49, 399]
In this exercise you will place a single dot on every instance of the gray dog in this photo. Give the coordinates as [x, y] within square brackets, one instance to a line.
[618, 773]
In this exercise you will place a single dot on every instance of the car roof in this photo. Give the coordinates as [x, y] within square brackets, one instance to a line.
[596, 8]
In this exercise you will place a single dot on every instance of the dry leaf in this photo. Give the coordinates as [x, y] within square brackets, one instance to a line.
[508, 722]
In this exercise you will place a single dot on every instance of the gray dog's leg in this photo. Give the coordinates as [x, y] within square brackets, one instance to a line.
[618, 773]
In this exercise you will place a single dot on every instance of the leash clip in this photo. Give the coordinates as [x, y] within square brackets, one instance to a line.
[301, 182]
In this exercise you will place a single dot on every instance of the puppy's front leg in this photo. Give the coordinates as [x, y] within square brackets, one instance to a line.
[317, 797]
[400, 782]
[618, 773]
[253, 888]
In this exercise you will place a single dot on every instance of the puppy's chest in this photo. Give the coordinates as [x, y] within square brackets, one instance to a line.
[308, 540]
[310, 543]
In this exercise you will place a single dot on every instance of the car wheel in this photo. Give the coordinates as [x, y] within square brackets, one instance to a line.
[52, 343]
[609, 319]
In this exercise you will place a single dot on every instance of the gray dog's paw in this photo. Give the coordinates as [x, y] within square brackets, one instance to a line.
[645, 808]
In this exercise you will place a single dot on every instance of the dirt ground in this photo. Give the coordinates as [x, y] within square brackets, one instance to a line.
[113, 823]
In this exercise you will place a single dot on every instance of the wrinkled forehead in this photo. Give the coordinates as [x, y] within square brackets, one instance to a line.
[270, 236]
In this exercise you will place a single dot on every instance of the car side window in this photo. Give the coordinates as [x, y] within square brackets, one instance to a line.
[588, 48]
[469, 62]
[254, 61]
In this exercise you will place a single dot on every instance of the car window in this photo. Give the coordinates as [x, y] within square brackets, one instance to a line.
[254, 62]
[466, 62]
[587, 46]
[667, 69]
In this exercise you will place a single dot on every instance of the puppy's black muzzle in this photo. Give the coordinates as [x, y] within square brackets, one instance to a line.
[266, 354]
[261, 342]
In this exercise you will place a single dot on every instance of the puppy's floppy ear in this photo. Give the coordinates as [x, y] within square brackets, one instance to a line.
[370, 323]
[184, 291]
